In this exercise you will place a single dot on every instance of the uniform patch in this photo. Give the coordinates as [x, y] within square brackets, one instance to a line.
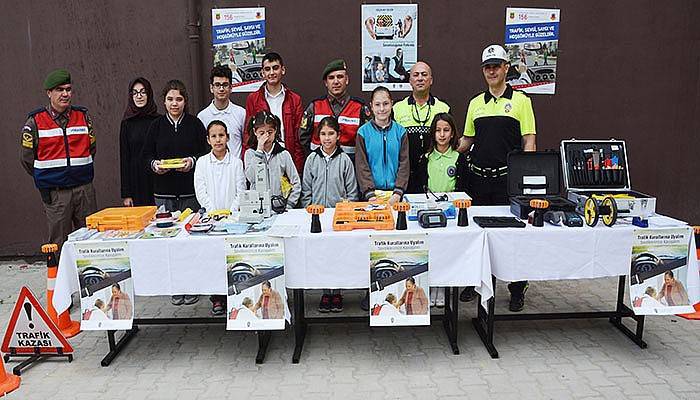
[508, 107]
[368, 113]
[451, 171]
[27, 138]
[304, 120]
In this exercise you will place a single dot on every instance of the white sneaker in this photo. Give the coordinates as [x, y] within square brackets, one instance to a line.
[433, 296]
[440, 298]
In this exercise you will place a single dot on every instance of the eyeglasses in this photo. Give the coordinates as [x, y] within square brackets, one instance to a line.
[141, 92]
[224, 85]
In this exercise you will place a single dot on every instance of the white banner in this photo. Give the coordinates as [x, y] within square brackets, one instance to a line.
[238, 37]
[389, 45]
[257, 297]
[106, 286]
[399, 284]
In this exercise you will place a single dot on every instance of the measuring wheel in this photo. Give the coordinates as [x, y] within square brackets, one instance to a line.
[590, 212]
[609, 210]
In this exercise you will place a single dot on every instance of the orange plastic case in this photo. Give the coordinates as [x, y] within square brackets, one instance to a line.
[350, 215]
[121, 218]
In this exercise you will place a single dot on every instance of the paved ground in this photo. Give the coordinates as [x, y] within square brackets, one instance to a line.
[539, 360]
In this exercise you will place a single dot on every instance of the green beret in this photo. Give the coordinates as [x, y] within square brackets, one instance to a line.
[56, 78]
[335, 65]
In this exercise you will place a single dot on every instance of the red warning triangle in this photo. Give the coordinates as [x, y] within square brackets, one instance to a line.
[31, 331]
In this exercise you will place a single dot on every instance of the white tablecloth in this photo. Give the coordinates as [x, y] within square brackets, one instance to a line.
[196, 264]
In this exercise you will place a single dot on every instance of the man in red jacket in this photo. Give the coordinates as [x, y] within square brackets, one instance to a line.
[281, 101]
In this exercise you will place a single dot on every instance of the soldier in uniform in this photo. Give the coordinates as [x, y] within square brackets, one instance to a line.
[58, 146]
[351, 112]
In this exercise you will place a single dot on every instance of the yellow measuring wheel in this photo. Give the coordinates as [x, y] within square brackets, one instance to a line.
[608, 210]
[590, 212]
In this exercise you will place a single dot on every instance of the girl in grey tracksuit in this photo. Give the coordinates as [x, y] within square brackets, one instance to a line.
[329, 177]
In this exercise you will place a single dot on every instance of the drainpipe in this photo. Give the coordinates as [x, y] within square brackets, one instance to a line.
[193, 28]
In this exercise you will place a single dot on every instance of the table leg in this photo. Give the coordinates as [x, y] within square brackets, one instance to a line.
[263, 341]
[115, 347]
[484, 321]
[623, 311]
[449, 319]
[299, 324]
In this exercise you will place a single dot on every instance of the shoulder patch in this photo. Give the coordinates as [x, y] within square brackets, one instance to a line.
[27, 137]
[367, 111]
[35, 112]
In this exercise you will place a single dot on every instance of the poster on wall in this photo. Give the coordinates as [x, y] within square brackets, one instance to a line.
[399, 285]
[659, 276]
[238, 37]
[257, 299]
[532, 42]
[389, 45]
[106, 286]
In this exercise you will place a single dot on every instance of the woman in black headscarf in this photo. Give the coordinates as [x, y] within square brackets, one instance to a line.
[141, 110]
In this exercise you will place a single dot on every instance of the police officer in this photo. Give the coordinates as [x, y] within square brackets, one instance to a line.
[58, 146]
[416, 113]
[499, 120]
[351, 112]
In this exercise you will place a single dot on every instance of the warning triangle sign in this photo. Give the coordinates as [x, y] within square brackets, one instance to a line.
[31, 331]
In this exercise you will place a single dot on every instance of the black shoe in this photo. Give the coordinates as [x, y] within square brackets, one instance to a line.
[468, 294]
[517, 299]
[324, 305]
[364, 304]
[336, 303]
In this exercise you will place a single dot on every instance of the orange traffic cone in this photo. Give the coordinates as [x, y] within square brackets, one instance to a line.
[8, 382]
[696, 314]
[68, 327]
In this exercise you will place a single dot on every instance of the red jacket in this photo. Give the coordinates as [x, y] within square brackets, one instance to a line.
[291, 119]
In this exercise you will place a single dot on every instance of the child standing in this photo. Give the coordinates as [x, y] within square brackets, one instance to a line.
[381, 160]
[218, 181]
[282, 175]
[381, 155]
[329, 177]
[443, 169]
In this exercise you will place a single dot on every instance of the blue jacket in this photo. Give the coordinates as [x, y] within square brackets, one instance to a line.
[381, 158]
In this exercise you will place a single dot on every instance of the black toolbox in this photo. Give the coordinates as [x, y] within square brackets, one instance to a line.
[600, 168]
[535, 175]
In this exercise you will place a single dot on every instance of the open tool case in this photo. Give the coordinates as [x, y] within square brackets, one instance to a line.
[599, 168]
[535, 175]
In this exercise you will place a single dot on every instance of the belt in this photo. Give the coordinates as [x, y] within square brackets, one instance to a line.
[488, 172]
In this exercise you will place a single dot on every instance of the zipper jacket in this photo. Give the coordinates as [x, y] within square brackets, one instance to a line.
[278, 165]
[327, 181]
[381, 159]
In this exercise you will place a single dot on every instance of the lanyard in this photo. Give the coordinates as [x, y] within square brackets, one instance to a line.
[416, 115]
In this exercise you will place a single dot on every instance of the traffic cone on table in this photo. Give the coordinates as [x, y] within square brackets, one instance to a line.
[8, 382]
[696, 314]
[68, 327]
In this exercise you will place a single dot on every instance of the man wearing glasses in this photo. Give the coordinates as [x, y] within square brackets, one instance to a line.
[281, 101]
[58, 146]
[222, 109]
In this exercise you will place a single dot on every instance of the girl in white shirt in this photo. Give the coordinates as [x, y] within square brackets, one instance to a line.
[218, 177]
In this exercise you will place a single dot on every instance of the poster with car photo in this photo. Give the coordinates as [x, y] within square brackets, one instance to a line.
[389, 45]
[238, 38]
[257, 298]
[659, 275]
[106, 286]
[532, 42]
[399, 285]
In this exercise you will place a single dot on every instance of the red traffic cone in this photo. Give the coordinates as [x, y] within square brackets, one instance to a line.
[8, 382]
[68, 327]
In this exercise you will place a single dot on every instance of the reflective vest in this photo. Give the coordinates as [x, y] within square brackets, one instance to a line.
[62, 157]
[348, 119]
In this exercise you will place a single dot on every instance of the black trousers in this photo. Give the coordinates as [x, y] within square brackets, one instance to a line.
[493, 192]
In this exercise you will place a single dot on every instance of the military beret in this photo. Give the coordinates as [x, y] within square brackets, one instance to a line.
[335, 65]
[56, 78]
